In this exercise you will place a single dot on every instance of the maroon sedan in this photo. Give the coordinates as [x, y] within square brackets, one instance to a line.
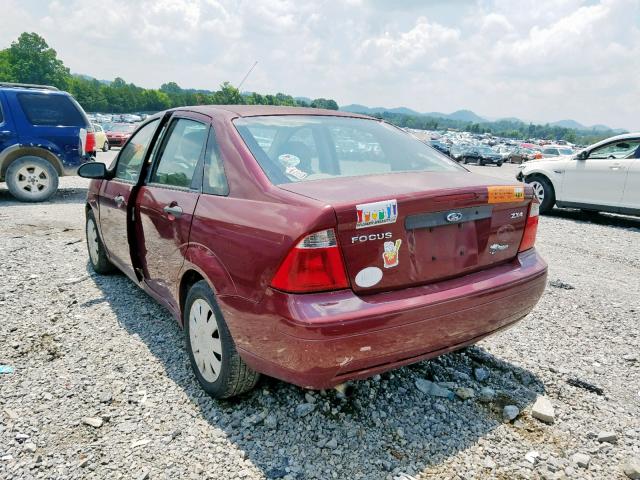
[310, 245]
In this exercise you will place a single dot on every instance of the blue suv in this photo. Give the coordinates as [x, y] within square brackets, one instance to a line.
[44, 134]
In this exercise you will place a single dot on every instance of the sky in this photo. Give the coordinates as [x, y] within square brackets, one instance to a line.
[537, 60]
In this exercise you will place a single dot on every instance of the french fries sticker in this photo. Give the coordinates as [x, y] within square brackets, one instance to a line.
[503, 194]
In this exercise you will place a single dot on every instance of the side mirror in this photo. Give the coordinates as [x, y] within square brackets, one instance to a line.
[93, 170]
[583, 155]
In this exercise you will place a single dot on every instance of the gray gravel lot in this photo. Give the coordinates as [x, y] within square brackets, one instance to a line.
[102, 386]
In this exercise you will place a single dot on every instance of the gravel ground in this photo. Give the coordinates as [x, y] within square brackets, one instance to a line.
[102, 387]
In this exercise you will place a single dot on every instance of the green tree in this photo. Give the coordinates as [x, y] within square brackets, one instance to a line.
[324, 103]
[6, 75]
[228, 95]
[31, 60]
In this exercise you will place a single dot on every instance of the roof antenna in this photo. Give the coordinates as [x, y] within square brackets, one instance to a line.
[245, 77]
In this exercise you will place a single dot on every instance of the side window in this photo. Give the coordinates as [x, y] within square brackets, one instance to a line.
[50, 109]
[620, 149]
[215, 180]
[131, 157]
[1, 116]
[182, 149]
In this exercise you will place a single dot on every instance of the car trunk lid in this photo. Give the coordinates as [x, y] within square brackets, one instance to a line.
[406, 229]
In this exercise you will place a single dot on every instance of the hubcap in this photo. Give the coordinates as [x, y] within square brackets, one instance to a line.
[204, 337]
[92, 241]
[33, 179]
[538, 190]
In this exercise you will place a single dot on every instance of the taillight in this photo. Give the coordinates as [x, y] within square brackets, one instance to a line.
[90, 146]
[531, 228]
[313, 265]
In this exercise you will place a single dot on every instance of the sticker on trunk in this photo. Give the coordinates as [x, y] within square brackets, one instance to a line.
[377, 213]
[504, 194]
[391, 254]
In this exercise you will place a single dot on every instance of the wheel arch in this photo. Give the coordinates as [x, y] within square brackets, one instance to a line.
[202, 264]
[539, 174]
[14, 152]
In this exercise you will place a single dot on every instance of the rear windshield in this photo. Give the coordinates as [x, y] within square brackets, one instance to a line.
[51, 109]
[297, 148]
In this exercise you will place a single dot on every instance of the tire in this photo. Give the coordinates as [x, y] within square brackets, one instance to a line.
[221, 373]
[95, 248]
[499, 164]
[465, 160]
[31, 179]
[105, 147]
[543, 189]
[481, 162]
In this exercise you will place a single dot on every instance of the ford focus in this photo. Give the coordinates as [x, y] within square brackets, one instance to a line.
[310, 245]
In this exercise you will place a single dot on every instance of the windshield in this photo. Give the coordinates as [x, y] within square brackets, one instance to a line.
[296, 148]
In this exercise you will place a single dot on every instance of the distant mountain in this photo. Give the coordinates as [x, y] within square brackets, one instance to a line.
[469, 116]
[463, 115]
[90, 78]
[568, 124]
[356, 108]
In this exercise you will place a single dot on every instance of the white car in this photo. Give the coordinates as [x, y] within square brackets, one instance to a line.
[604, 177]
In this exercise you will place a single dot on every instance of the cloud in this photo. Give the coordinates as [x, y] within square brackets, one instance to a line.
[537, 59]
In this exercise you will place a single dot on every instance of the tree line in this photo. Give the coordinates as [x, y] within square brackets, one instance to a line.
[29, 59]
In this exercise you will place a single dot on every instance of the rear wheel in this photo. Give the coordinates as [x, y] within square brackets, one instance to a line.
[31, 179]
[105, 147]
[481, 162]
[499, 164]
[543, 190]
[212, 352]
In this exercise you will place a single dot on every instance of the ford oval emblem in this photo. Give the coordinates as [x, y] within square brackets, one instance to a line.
[454, 217]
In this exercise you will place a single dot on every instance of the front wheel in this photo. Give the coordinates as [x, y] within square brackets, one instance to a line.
[97, 253]
[212, 352]
[543, 190]
[499, 164]
[31, 179]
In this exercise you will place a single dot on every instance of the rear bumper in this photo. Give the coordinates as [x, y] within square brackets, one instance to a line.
[117, 142]
[321, 340]
[73, 169]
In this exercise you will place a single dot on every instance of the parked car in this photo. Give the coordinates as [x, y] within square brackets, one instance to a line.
[44, 134]
[102, 141]
[602, 177]
[302, 263]
[482, 155]
[520, 155]
[119, 133]
[441, 147]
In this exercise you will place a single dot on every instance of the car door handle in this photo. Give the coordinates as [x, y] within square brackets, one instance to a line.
[615, 167]
[119, 199]
[174, 210]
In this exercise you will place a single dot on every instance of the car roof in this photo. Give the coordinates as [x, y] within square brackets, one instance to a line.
[26, 87]
[234, 111]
